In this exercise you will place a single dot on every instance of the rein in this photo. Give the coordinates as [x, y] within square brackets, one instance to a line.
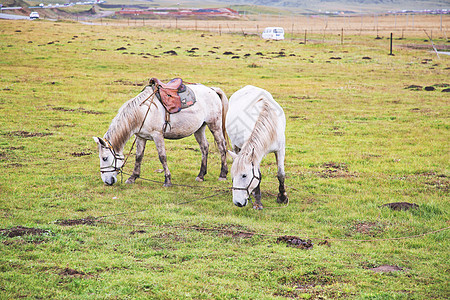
[142, 125]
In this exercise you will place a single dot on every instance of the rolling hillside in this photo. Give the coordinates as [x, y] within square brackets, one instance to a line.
[346, 5]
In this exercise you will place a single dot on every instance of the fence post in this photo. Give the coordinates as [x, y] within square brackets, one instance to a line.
[305, 35]
[390, 53]
[292, 31]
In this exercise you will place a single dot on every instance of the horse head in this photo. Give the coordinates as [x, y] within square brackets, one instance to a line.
[111, 162]
[246, 177]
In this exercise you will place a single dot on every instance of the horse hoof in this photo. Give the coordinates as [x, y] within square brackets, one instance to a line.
[222, 178]
[167, 184]
[257, 207]
[198, 179]
[130, 180]
[282, 199]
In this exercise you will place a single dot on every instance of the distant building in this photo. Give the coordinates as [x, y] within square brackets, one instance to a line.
[181, 12]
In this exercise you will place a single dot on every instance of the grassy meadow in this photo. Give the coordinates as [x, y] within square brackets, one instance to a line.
[363, 129]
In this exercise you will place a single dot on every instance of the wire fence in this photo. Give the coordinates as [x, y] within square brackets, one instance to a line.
[300, 27]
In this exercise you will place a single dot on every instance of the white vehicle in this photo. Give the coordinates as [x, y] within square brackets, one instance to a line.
[34, 15]
[273, 33]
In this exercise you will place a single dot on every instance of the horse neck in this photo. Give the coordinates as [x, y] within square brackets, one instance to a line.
[262, 136]
[127, 122]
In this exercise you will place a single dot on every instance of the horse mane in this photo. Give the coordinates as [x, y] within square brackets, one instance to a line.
[263, 135]
[127, 119]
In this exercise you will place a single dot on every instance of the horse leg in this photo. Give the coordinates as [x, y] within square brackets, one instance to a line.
[160, 147]
[257, 194]
[140, 148]
[222, 145]
[282, 195]
[204, 148]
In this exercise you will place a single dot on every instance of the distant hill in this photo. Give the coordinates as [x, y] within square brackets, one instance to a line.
[356, 6]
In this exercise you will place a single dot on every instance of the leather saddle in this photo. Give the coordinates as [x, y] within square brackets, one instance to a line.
[174, 95]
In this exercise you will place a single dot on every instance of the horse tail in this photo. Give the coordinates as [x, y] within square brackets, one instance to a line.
[224, 99]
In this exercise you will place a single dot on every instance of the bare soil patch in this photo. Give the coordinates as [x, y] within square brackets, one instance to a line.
[368, 228]
[70, 222]
[311, 283]
[26, 134]
[235, 231]
[386, 268]
[79, 154]
[80, 110]
[335, 170]
[137, 232]
[22, 231]
[126, 82]
[295, 241]
[71, 272]
[401, 205]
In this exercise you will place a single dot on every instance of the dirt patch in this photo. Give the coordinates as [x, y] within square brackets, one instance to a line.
[414, 87]
[71, 272]
[63, 125]
[26, 134]
[79, 154]
[386, 268]
[235, 231]
[126, 82]
[23, 231]
[170, 52]
[430, 88]
[442, 183]
[70, 222]
[80, 110]
[295, 241]
[335, 170]
[14, 165]
[310, 283]
[138, 232]
[401, 205]
[368, 228]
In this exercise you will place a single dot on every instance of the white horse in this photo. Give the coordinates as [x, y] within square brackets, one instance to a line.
[255, 124]
[144, 117]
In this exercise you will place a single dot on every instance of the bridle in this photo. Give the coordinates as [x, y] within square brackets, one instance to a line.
[250, 183]
[113, 167]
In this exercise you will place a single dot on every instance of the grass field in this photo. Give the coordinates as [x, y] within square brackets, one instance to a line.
[363, 129]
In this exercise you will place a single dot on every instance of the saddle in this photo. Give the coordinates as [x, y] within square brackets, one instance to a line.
[174, 95]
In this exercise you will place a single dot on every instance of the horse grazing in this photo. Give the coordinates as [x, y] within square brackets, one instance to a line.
[145, 117]
[255, 124]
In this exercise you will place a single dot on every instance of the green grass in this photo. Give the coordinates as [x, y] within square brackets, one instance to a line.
[357, 138]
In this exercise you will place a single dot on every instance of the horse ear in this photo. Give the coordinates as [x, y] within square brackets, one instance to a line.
[99, 141]
[232, 154]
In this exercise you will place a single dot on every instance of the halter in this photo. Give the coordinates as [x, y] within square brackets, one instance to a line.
[114, 163]
[250, 183]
